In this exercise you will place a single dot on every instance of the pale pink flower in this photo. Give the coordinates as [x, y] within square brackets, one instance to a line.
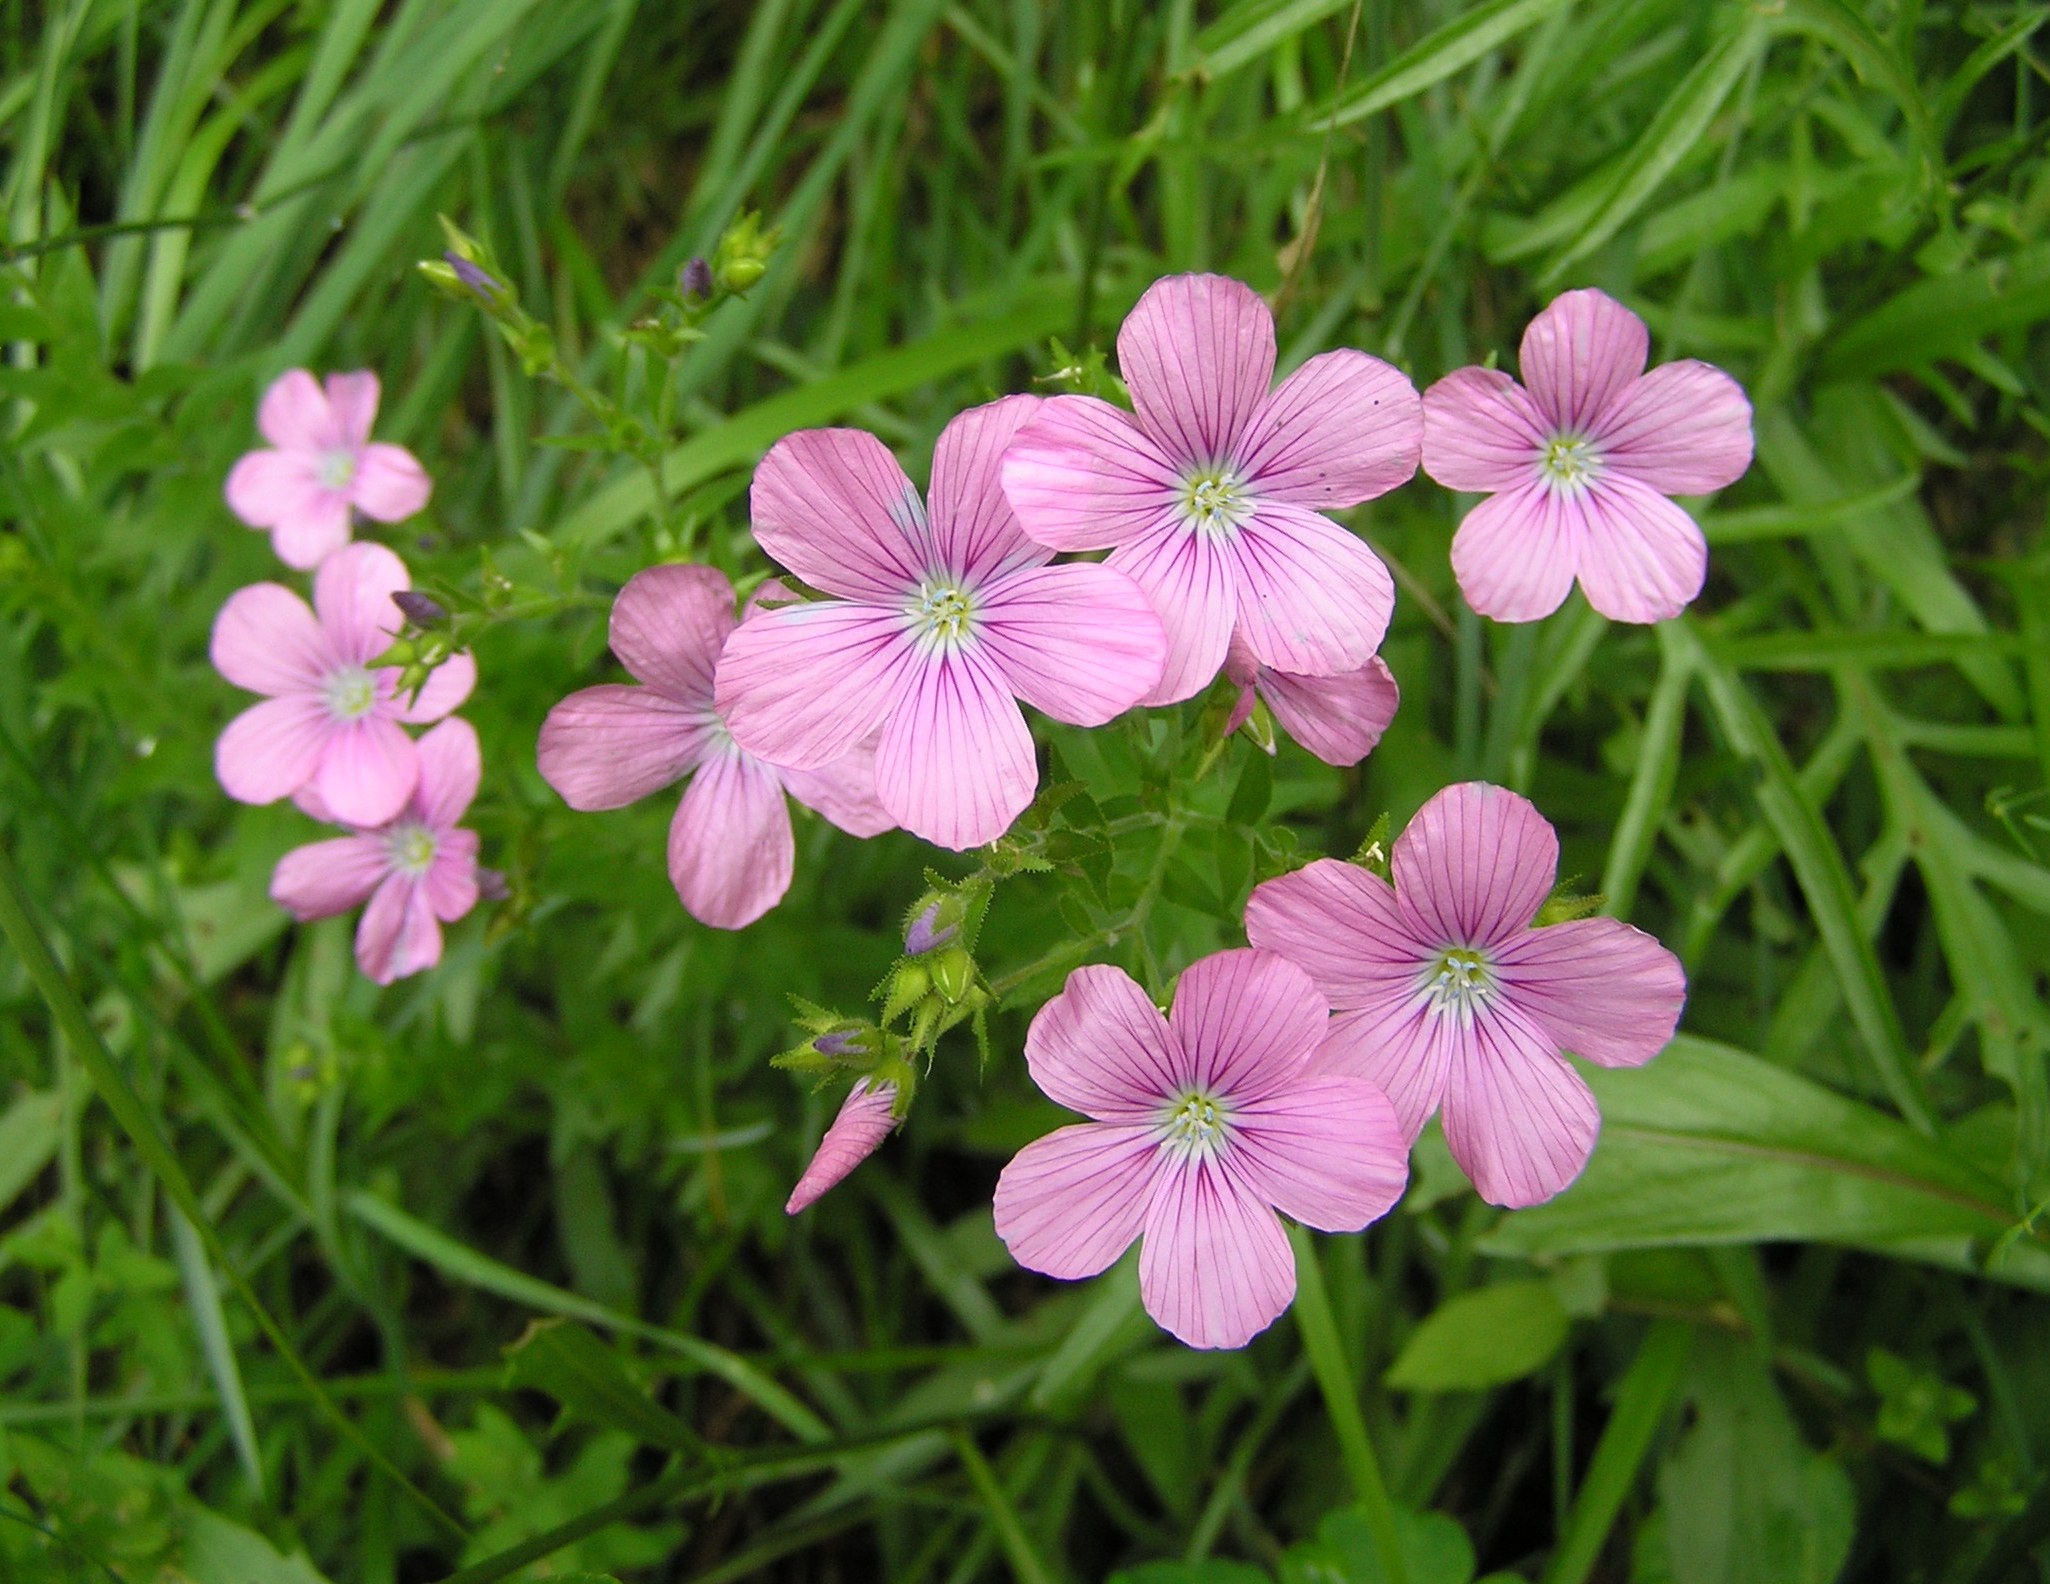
[323, 465]
[330, 720]
[418, 871]
[1206, 1122]
[730, 845]
[1578, 462]
[941, 625]
[864, 1121]
[1448, 995]
[1213, 490]
[1338, 718]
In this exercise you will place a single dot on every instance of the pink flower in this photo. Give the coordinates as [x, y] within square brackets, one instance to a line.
[940, 626]
[1338, 718]
[417, 871]
[1213, 491]
[1206, 1122]
[324, 464]
[1579, 465]
[864, 1121]
[730, 845]
[329, 720]
[1447, 995]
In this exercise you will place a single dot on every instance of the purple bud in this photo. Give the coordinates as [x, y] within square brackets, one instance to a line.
[843, 1043]
[491, 885]
[926, 933]
[421, 610]
[695, 280]
[473, 277]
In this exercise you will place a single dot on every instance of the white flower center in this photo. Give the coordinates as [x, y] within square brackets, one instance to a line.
[1458, 982]
[411, 847]
[942, 614]
[1214, 501]
[1195, 1124]
[1569, 461]
[351, 692]
[337, 468]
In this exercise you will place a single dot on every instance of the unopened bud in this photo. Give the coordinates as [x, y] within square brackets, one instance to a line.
[953, 972]
[422, 610]
[403, 652]
[931, 927]
[842, 1042]
[480, 281]
[695, 279]
[491, 885]
[412, 678]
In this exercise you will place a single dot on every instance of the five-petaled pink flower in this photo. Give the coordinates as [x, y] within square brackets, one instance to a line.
[730, 844]
[324, 464]
[1213, 492]
[1579, 461]
[1447, 994]
[941, 623]
[1338, 718]
[864, 1121]
[418, 871]
[330, 721]
[1206, 1122]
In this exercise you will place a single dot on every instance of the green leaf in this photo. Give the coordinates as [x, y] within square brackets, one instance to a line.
[1252, 28]
[1435, 1550]
[1943, 317]
[1460, 42]
[1206, 1572]
[1483, 1338]
[591, 1381]
[1255, 787]
[28, 1140]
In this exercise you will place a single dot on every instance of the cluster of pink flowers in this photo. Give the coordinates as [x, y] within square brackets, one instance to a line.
[330, 732]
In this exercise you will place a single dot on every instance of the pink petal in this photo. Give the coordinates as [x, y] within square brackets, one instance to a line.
[973, 528]
[730, 848]
[352, 399]
[266, 488]
[305, 540]
[266, 640]
[1327, 1152]
[1342, 429]
[325, 878]
[1482, 432]
[368, 769]
[1189, 581]
[610, 746]
[1101, 1048]
[294, 414]
[1342, 926]
[833, 506]
[1519, 1119]
[1401, 1045]
[1080, 642]
[1644, 559]
[1475, 865]
[668, 626]
[1312, 598]
[352, 593]
[1069, 1204]
[1338, 718]
[1198, 354]
[802, 686]
[955, 764]
[844, 792]
[863, 1122]
[1249, 1020]
[1215, 1269]
[1515, 554]
[1083, 476]
[1600, 988]
[272, 749]
[1579, 355]
[450, 883]
[450, 768]
[398, 934]
[1684, 429]
[447, 685]
[389, 484]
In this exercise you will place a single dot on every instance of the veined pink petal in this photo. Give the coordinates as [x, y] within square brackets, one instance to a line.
[1312, 598]
[304, 541]
[1342, 926]
[802, 686]
[272, 749]
[1188, 579]
[730, 847]
[352, 402]
[1643, 559]
[973, 528]
[1338, 718]
[398, 934]
[352, 594]
[1600, 988]
[1397, 1042]
[1101, 1048]
[294, 414]
[833, 506]
[1249, 1020]
[669, 624]
[1684, 429]
[1482, 432]
[1328, 1152]
[368, 769]
[1083, 476]
[450, 883]
[1516, 553]
[447, 686]
[608, 746]
[1579, 355]
[266, 488]
[843, 792]
[324, 878]
[451, 765]
[1069, 1204]
[1215, 1269]
[863, 1122]
[1342, 429]
[1080, 642]
[1198, 354]
[955, 763]
[266, 640]
[389, 483]
[1475, 865]
[1519, 1119]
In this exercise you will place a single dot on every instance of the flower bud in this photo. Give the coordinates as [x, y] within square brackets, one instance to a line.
[488, 289]
[935, 920]
[403, 652]
[422, 610]
[742, 256]
[909, 985]
[841, 1042]
[953, 973]
[695, 279]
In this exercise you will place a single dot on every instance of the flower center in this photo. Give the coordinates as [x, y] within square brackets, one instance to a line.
[1214, 502]
[1196, 1124]
[942, 614]
[1458, 982]
[337, 468]
[351, 693]
[411, 848]
[1569, 461]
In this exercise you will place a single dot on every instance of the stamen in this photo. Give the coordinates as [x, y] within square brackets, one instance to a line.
[1569, 461]
[1196, 1124]
[411, 848]
[1459, 982]
[351, 692]
[942, 614]
[337, 469]
[1214, 501]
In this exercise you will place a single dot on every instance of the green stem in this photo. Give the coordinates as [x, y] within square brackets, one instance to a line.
[1025, 1563]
